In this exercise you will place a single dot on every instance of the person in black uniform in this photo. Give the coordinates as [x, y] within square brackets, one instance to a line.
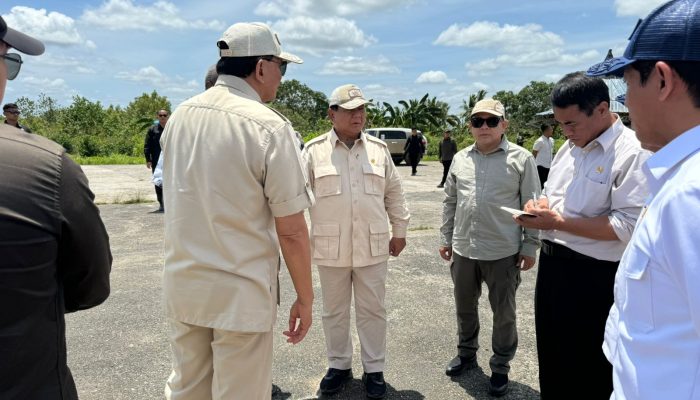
[415, 148]
[151, 150]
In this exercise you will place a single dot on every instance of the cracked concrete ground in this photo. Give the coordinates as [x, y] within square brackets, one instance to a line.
[119, 350]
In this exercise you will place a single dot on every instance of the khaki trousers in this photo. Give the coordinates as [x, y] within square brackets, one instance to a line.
[369, 285]
[217, 364]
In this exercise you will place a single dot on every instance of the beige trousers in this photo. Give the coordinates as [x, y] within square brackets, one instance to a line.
[217, 364]
[369, 285]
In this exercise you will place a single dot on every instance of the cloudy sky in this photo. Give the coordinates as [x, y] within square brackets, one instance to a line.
[114, 50]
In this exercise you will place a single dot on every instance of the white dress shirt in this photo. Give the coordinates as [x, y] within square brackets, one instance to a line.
[544, 147]
[652, 336]
[603, 178]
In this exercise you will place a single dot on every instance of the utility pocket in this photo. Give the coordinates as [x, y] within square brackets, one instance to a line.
[326, 240]
[374, 179]
[379, 238]
[636, 295]
[327, 181]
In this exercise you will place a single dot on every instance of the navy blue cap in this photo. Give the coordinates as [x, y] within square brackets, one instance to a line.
[669, 33]
[18, 40]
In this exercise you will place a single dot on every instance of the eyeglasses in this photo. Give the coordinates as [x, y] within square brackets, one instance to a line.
[15, 112]
[282, 63]
[13, 62]
[162, 115]
[491, 122]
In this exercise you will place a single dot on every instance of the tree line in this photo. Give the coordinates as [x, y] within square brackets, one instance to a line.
[87, 129]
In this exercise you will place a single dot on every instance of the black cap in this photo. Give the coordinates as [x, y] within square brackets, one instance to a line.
[19, 41]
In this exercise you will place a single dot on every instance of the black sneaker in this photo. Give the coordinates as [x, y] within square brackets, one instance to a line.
[334, 380]
[374, 384]
[498, 384]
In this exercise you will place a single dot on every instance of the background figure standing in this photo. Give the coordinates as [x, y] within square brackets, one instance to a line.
[236, 192]
[543, 150]
[358, 193]
[151, 150]
[592, 198]
[652, 334]
[446, 151]
[414, 147]
[483, 242]
[12, 112]
[54, 250]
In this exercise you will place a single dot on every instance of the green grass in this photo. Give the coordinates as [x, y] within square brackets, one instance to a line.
[114, 159]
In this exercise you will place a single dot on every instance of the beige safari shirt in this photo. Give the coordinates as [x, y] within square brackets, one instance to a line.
[358, 192]
[230, 165]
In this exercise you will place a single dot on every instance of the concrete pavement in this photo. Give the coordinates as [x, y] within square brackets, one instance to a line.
[119, 350]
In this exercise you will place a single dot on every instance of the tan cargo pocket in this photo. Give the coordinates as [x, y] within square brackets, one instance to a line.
[326, 181]
[379, 238]
[374, 179]
[326, 241]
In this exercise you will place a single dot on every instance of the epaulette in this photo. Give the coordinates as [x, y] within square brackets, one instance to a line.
[317, 139]
[375, 140]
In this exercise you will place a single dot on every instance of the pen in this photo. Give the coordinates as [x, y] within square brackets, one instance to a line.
[534, 200]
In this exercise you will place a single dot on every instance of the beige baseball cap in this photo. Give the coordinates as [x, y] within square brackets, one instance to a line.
[247, 39]
[491, 106]
[347, 96]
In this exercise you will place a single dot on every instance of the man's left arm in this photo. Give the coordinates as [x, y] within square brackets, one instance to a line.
[395, 204]
[529, 187]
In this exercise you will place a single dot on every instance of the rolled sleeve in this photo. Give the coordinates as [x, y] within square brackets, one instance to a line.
[286, 184]
[628, 194]
[395, 200]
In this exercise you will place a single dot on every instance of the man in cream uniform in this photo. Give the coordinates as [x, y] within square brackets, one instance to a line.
[236, 193]
[358, 192]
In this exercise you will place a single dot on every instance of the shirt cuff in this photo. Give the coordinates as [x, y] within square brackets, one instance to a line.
[293, 206]
[399, 231]
[529, 250]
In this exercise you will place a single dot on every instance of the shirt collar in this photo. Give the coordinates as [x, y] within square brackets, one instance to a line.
[334, 139]
[666, 159]
[503, 145]
[240, 86]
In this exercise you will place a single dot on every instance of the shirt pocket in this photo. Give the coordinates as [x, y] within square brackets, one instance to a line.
[379, 238]
[637, 297]
[598, 176]
[327, 181]
[326, 241]
[374, 179]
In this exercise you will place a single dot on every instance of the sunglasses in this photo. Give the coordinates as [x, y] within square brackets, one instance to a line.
[16, 112]
[281, 63]
[13, 62]
[491, 122]
[162, 115]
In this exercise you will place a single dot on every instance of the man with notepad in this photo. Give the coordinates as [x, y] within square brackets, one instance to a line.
[592, 198]
[483, 242]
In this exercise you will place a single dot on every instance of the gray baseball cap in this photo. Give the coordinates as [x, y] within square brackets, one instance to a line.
[19, 41]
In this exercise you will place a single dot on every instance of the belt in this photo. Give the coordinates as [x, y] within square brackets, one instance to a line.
[556, 250]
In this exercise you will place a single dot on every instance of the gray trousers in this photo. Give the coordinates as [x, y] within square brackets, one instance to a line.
[502, 278]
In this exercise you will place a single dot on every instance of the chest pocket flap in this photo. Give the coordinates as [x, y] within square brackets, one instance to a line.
[374, 178]
[327, 181]
[637, 296]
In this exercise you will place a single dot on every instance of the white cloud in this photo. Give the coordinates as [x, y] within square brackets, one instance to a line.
[545, 58]
[380, 93]
[434, 77]
[152, 76]
[636, 8]
[50, 27]
[506, 38]
[284, 8]
[64, 62]
[358, 66]
[125, 14]
[46, 83]
[317, 36]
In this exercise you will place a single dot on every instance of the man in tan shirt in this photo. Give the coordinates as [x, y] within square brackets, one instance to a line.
[236, 191]
[358, 192]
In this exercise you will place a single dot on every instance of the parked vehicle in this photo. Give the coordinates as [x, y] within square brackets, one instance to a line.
[395, 139]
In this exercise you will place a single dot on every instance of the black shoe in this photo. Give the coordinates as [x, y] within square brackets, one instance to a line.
[334, 380]
[460, 364]
[374, 384]
[440, 186]
[160, 209]
[498, 384]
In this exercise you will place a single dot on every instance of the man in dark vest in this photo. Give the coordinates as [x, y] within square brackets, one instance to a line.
[54, 250]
